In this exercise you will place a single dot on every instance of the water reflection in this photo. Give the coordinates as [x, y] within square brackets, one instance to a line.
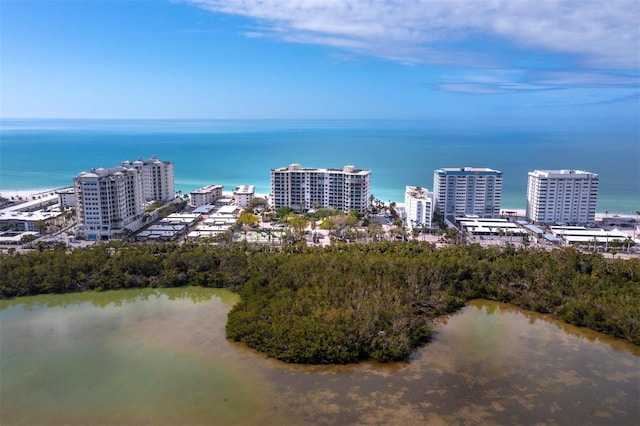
[113, 298]
[490, 363]
[160, 357]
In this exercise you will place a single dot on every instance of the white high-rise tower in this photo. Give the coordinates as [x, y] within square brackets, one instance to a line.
[562, 196]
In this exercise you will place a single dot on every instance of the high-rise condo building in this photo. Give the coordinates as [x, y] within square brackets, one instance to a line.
[461, 191]
[157, 178]
[418, 204]
[108, 202]
[302, 189]
[562, 196]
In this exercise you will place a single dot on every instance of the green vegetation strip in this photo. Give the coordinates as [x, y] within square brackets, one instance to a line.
[342, 304]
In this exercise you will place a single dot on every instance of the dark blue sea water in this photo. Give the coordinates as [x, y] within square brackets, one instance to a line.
[49, 153]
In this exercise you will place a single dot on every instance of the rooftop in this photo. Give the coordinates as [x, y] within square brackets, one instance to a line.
[346, 169]
[467, 170]
[28, 216]
[418, 192]
[245, 189]
[207, 189]
[564, 173]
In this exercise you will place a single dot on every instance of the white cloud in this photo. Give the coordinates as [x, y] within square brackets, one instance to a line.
[602, 34]
[492, 81]
[519, 80]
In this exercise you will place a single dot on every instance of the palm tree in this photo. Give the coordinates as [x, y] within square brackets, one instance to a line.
[424, 231]
[68, 215]
[41, 225]
[629, 242]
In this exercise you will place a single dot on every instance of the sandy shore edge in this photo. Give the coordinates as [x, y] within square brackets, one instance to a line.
[27, 194]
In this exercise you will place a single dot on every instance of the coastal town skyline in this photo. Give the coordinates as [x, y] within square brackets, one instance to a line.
[319, 212]
[524, 64]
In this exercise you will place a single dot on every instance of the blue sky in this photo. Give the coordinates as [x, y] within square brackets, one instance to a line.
[493, 62]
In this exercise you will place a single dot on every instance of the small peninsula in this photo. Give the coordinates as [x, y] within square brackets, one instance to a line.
[346, 303]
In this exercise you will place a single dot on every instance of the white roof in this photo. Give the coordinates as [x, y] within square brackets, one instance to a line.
[245, 189]
[227, 210]
[562, 173]
[28, 216]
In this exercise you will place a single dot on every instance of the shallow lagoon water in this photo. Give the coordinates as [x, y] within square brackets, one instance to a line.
[160, 357]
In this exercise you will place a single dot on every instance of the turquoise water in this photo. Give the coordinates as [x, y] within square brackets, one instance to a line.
[49, 153]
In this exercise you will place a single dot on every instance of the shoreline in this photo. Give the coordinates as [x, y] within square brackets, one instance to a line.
[27, 194]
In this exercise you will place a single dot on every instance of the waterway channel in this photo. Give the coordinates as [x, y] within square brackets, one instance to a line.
[160, 357]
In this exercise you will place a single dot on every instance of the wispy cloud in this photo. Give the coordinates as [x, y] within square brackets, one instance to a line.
[577, 98]
[597, 34]
[519, 80]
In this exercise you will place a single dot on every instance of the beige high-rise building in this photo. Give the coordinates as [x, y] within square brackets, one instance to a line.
[157, 178]
[303, 189]
[109, 202]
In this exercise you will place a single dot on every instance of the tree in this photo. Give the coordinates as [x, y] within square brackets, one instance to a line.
[247, 218]
[375, 231]
[452, 235]
[69, 214]
[298, 224]
[424, 230]
[246, 221]
[328, 224]
[257, 202]
[392, 210]
[399, 232]
[41, 226]
[283, 212]
[415, 232]
[27, 238]
[356, 215]
[629, 242]
[327, 212]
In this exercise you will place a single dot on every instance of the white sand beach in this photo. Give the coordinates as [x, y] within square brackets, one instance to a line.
[27, 194]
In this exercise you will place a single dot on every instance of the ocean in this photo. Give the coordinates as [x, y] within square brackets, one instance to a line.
[39, 153]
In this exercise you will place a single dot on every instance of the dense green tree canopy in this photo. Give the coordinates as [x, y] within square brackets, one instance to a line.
[346, 303]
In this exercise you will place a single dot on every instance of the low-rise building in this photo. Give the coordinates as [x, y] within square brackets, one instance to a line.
[580, 235]
[205, 195]
[490, 226]
[418, 204]
[67, 197]
[15, 238]
[243, 195]
[29, 221]
[170, 228]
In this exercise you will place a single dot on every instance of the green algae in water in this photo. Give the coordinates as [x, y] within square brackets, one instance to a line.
[161, 357]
